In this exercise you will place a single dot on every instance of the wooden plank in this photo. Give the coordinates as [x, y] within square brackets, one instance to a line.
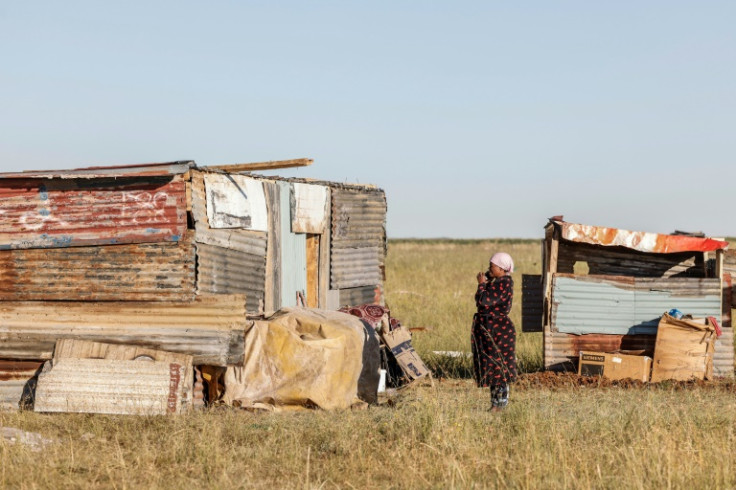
[272, 290]
[271, 165]
[313, 270]
[324, 257]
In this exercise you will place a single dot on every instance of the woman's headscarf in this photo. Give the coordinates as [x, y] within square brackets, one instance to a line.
[504, 261]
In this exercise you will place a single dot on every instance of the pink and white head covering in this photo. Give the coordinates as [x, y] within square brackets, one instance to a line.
[504, 261]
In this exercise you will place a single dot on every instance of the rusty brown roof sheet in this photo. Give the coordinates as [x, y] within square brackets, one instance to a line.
[635, 240]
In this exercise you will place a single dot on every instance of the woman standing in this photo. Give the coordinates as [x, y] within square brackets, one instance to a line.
[493, 338]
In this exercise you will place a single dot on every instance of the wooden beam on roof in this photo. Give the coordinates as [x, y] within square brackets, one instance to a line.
[276, 164]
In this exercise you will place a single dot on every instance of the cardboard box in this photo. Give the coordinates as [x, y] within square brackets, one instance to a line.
[614, 365]
[398, 341]
[684, 349]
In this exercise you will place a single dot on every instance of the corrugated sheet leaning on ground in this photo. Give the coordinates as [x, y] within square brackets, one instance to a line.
[113, 387]
[358, 237]
[627, 306]
[40, 213]
[210, 329]
[136, 272]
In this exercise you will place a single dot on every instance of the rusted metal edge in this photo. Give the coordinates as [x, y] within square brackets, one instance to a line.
[635, 240]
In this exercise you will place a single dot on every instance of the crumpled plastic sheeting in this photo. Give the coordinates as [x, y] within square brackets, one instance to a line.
[302, 357]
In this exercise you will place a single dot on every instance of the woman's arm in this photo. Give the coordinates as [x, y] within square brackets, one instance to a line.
[493, 294]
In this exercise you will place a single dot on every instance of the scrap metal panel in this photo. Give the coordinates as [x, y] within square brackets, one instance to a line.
[309, 208]
[211, 328]
[43, 213]
[615, 261]
[353, 267]
[293, 252]
[358, 239]
[532, 301]
[627, 306]
[136, 170]
[17, 380]
[561, 350]
[360, 296]
[723, 357]
[636, 240]
[113, 387]
[235, 201]
[228, 271]
[135, 272]
[358, 218]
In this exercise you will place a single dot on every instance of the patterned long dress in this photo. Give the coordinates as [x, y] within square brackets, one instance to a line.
[493, 338]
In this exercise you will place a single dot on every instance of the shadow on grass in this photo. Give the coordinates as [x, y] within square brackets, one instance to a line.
[461, 366]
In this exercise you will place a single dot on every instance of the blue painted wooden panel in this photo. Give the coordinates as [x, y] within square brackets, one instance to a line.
[293, 252]
[632, 306]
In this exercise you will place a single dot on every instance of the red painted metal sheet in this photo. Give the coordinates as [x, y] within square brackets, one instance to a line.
[636, 240]
[45, 213]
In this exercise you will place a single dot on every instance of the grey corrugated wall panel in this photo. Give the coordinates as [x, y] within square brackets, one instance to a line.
[136, 272]
[293, 252]
[353, 267]
[588, 304]
[226, 271]
[358, 239]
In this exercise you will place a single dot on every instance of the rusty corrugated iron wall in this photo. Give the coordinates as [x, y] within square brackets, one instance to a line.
[211, 328]
[17, 380]
[137, 272]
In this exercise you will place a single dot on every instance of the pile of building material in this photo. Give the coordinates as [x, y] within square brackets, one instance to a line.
[163, 257]
[603, 290]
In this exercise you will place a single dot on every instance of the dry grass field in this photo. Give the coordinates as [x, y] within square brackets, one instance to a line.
[553, 435]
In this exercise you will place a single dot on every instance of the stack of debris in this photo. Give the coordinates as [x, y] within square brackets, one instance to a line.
[684, 350]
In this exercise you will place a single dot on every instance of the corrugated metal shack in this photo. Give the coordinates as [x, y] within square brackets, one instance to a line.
[173, 256]
[605, 289]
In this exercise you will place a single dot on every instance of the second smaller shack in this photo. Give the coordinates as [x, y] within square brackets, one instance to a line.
[605, 289]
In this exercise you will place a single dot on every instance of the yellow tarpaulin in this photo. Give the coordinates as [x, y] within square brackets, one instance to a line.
[304, 357]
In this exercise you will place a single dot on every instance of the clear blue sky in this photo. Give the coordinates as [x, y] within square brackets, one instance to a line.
[479, 119]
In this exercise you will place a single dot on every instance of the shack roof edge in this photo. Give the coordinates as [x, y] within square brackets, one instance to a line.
[134, 170]
[641, 241]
